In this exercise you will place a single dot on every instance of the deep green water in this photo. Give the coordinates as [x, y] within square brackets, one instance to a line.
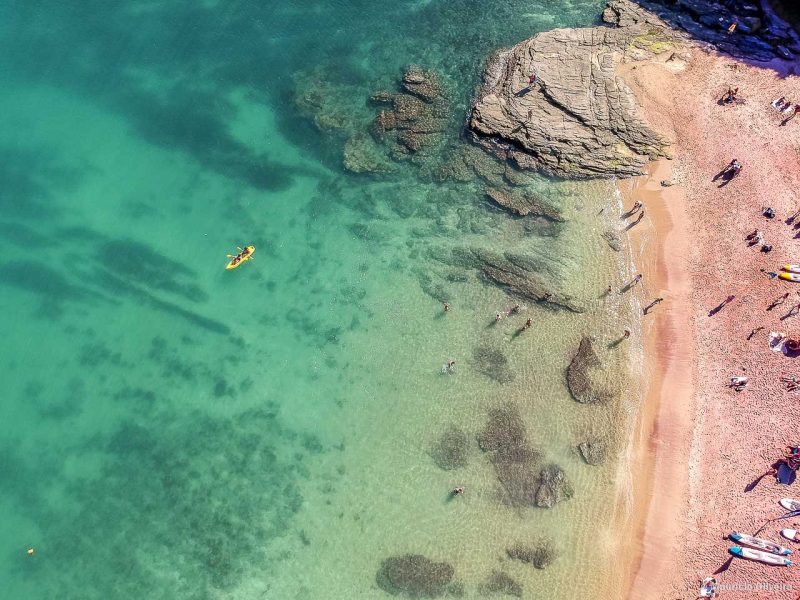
[172, 430]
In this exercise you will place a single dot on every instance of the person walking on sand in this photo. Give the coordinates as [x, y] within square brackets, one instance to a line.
[654, 303]
[626, 334]
[637, 221]
[778, 301]
[531, 79]
[528, 324]
[636, 206]
[635, 280]
[721, 305]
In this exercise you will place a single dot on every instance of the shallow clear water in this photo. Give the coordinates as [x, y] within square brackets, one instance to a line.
[173, 430]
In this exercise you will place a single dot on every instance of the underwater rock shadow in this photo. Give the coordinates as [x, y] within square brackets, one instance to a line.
[119, 287]
[29, 178]
[139, 263]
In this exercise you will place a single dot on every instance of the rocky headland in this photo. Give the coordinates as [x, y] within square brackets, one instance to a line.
[579, 119]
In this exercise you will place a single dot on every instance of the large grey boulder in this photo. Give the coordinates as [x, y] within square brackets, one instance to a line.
[579, 120]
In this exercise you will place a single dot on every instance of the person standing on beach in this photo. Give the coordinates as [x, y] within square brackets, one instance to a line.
[655, 302]
[635, 280]
[637, 221]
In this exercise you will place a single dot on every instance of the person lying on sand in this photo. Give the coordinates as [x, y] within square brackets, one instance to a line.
[778, 103]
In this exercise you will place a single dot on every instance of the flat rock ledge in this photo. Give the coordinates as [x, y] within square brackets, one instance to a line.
[579, 120]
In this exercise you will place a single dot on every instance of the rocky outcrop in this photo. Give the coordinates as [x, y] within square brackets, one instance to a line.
[362, 155]
[504, 439]
[554, 487]
[583, 374]
[758, 35]
[524, 203]
[500, 583]
[579, 119]
[492, 363]
[519, 275]
[414, 119]
[594, 451]
[414, 576]
[450, 451]
[540, 554]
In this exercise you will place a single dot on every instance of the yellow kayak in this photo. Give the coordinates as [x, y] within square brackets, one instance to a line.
[789, 276]
[241, 258]
[791, 268]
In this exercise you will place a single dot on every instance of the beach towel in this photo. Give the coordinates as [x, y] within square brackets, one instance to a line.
[786, 474]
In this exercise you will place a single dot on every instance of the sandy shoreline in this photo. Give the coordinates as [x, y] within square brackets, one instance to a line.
[698, 444]
[663, 424]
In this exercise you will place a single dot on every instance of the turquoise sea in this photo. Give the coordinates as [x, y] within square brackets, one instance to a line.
[174, 430]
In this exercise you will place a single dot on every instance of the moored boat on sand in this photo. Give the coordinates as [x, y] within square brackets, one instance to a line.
[760, 556]
[759, 544]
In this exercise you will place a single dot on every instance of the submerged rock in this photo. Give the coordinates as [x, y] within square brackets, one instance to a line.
[540, 555]
[524, 203]
[500, 583]
[450, 452]
[594, 451]
[518, 276]
[415, 576]
[492, 363]
[554, 487]
[414, 118]
[514, 461]
[579, 120]
[363, 155]
[582, 375]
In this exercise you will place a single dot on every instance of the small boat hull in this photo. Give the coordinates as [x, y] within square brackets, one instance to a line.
[758, 555]
[790, 504]
[789, 276]
[759, 544]
[246, 255]
[791, 268]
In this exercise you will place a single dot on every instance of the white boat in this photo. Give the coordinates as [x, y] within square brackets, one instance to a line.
[764, 557]
[791, 268]
[790, 504]
[790, 534]
[759, 544]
